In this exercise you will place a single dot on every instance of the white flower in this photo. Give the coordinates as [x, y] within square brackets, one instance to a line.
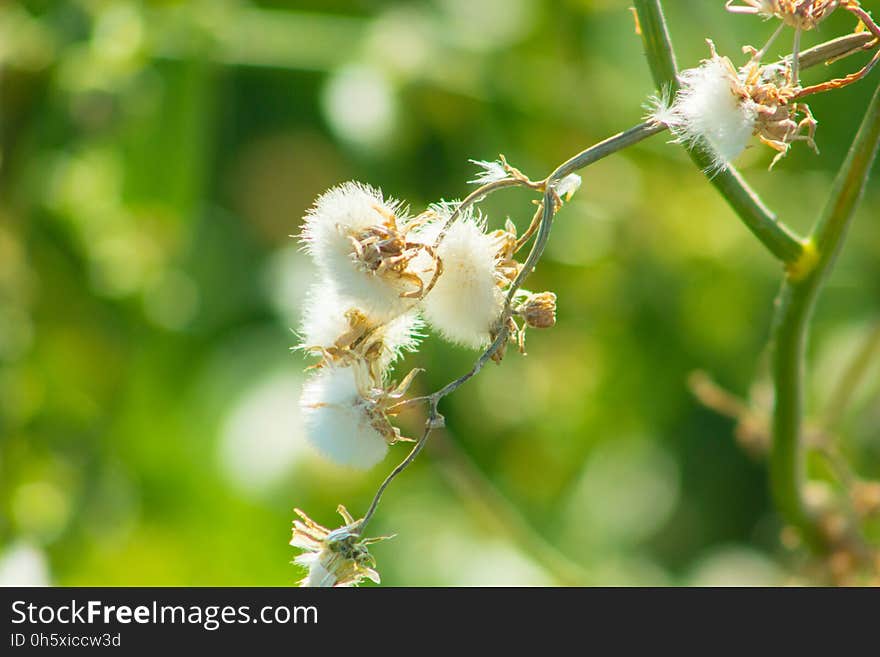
[332, 321]
[491, 172]
[343, 418]
[359, 241]
[711, 108]
[333, 558]
[466, 302]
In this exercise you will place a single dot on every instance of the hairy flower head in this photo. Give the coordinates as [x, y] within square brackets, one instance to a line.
[346, 415]
[360, 241]
[800, 14]
[467, 300]
[341, 419]
[710, 110]
[722, 107]
[338, 330]
[338, 557]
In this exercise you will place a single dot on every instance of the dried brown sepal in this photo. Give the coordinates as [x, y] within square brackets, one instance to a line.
[384, 250]
[381, 405]
[780, 120]
[799, 14]
[361, 342]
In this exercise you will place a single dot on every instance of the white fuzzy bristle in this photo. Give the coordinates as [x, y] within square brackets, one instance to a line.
[466, 301]
[490, 172]
[326, 319]
[337, 216]
[708, 110]
[337, 420]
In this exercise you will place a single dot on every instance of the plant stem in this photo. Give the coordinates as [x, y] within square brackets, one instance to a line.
[658, 44]
[796, 303]
[606, 147]
[772, 233]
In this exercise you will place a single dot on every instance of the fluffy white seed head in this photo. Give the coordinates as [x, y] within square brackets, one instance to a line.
[466, 301]
[400, 335]
[339, 418]
[323, 316]
[329, 320]
[710, 109]
[338, 557]
[344, 220]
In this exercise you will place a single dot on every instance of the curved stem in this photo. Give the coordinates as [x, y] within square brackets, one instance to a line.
[772, 233]
[796, 304]
[403, 465]
[606, 147]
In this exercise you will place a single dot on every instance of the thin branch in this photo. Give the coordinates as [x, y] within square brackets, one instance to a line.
[836, 49]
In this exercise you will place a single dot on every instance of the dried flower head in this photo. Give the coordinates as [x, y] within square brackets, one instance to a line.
[338, 557]
[346, 415]
[709, 110]
[722, 108]
[538, 310]
[362, 243]
[337, 330]
[800, 14]
[780, 120]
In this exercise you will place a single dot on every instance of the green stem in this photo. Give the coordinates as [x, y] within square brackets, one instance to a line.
[772, 233]
[795, 308]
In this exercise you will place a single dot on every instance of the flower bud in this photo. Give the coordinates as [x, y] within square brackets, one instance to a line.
[539, 310]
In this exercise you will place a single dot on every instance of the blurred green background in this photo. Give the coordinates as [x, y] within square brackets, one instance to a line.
[156, 159]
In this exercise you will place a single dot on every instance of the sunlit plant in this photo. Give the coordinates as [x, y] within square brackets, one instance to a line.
[387, 273]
